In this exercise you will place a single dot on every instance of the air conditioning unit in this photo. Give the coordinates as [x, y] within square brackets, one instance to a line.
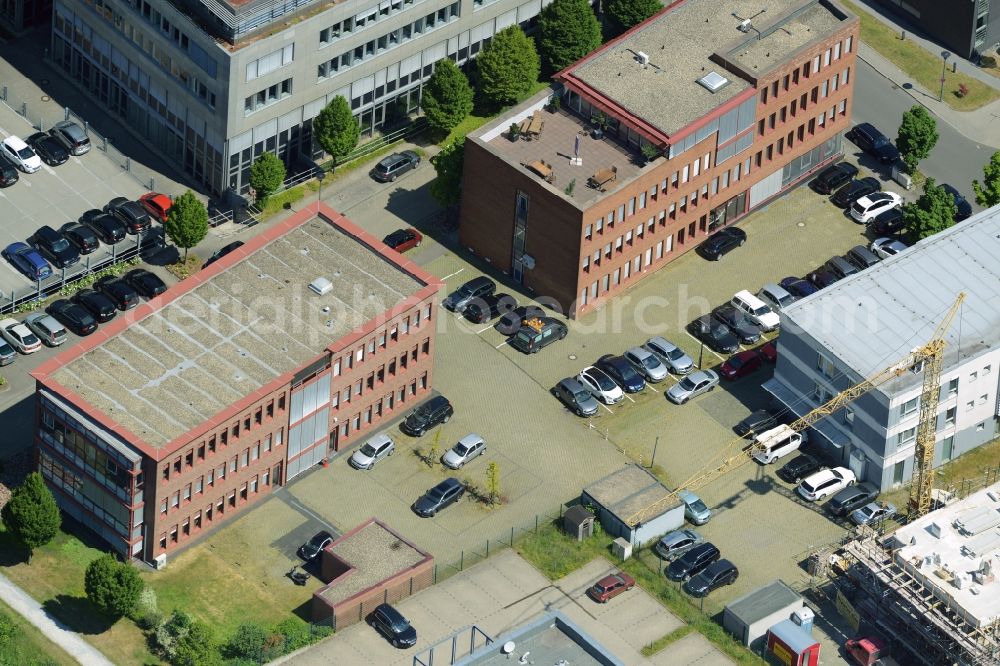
[160, 562]
[622, 548]
[745, 25]
[642, 58]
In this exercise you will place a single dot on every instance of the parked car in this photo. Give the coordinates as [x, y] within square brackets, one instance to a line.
[756, 310]
[887, 247]
[474, 288]
[822, 277]
[647, 363]
[576, 396]
[390, 623]
[219, 254]
[600, 385]
[840, 267]
[124, 296]
[21, 154]
[52, 151]
[395, 165]
[510, 322]
[695, 510]
[736, 321]
[722, 242]
[54, 247]
[148, 284]
[961, 203]
[537, 334]
[83, 238]
[72, 136]
[74, 316]
[741, 364]
[431, 413]
[27, 260]
[8, 172]
[870, 140]
[98, 304]
[825, 482]
[48, 330]
[670, 355]
[402, 240]
[776, 297]
[714, 334]
[833, 177]
[130, 213]
[854, 190]
[439, 497]
[693, 561]
[376, 448]
[469, 447]
[610, 587]
[799, 468]
[862, 257]
[888, 222]
[19, 336]
[769, 351]
[622, 372]
[715, 575]
[311, 549]
[851, 498]
[865, 209]
[873, 512]
[105, 226]
[758, 421]
[674, 544]
[7, 353]
[482, 310]
[701, 381]
[798, 287]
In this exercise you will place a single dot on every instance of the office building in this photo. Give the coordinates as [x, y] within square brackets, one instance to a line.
[965, 27]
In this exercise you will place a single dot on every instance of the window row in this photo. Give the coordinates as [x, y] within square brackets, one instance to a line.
[365, 19]
[807, 69]
[797, 135]
[376, 378]
[267, 97]
[375, 411]
[270, 62]
[381, 341]
[820, 91]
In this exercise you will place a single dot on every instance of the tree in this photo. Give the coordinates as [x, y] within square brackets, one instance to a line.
[988, 192]
[32, 514]
[196, 647]
[567, 31]
[336, 129]
[917, 136]
[449, 162]
[628, 13]
[508, 67]
[493, 481]
[267, 173]
[113, 586]
[447, 96]
[187, 221]
[934, 211]
[247, 643]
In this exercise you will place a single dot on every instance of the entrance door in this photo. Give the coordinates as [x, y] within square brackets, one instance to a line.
[856, 463]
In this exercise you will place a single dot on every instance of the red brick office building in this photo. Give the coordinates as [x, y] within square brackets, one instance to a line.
[186, 410]
[739, 107]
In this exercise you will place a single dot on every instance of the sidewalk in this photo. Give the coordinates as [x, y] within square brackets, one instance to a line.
[32, 611]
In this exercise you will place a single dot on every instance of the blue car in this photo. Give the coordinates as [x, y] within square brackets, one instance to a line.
[622, 372]
[798, 287]
[27, 260]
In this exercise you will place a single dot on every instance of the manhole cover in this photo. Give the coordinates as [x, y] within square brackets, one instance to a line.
[801, 224]
[572, 357]
[46, 98]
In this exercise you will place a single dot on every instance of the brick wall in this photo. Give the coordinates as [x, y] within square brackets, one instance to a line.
[357, 608]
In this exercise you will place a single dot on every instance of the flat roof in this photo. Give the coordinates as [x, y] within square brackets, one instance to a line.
[764, 601]
[226, 332]
[690, 40]
[897, 305]
[551, 639]
[628, 491]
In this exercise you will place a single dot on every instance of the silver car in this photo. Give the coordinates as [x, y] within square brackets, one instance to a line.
[576, 396]
[676, 543]
[694, 509]
[469, 447]
[873, 512]
[647, 363]
[377, 447]
[692, 386]
[672, 356]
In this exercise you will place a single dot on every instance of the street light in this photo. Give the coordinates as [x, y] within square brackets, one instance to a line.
[320, 175]
[944, 65]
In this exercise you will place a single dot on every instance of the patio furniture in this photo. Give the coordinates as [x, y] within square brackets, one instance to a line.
[603, 177]
[535, 124]
[542, 168]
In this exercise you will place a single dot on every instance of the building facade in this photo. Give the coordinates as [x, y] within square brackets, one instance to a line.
[968, 29]
[151, 445]
[735, 116]
[20, 15]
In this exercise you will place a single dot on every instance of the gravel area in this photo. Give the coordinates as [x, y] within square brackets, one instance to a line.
[376, 554]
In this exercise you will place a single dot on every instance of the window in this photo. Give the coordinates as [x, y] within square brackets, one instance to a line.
[836, 51]
[825, 366]
[588, 232]
[953, 387]
[821, 394]
[849, 415]
[908, 407]
[897, 472]
[826, 58]
[697, 168]
[947, 448]
[684, 176]
[845, 76]
[906, 436]
[987, 370]
[982, 399]
[970, 405]
[973, 376]
[815, 67]
[949, 417]
[847, 44]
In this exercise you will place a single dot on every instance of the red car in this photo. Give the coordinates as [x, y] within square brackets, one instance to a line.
[740, 365]
[402, 240]
[770, 351]
[157, 205]
[611, 586]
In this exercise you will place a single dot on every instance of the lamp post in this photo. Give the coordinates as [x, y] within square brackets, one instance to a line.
[944, 66]
[320, 175]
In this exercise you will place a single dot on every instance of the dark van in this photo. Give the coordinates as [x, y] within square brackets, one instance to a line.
[538, 333]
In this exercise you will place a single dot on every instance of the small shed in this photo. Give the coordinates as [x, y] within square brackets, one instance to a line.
[792, 645]
[578, 521]
[749, 617]
[633, 504]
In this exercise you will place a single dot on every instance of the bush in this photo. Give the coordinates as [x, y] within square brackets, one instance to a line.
[295, 632]
[247, 643]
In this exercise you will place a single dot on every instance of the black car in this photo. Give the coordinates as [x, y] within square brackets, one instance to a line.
[8, 172]
[851, 498]
[758, 422]
[119, 291]
[799, 468]
[888, 223]
[821, 278]
[744, 329]
[722, 242]
[98, 304]
[426, 416]
[854, 190]
[107, 228]
[963, 206]
[482, 310]
[713, 576]
[833, 177]
[82, 237]
[439, 497]
[693, 561]
[52, 151]
[149, 285]
[223, 252]
[510, 322]
[392, 167]
[870, 140]
[622, 372]
[798, 287]
[311, 549]
[714, 334]
[474, 288]
[130, 213]
[73, 316]
[54, 246]
[390, 623]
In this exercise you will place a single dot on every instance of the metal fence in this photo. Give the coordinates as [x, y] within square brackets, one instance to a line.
[454, 647]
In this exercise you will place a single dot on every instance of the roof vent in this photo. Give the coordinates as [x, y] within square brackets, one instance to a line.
[321, 286]
[745, 25]
[642, 58]
[714, 81]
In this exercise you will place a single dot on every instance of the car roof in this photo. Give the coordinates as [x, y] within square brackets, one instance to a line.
[448, 484]
[639, 352]
[379, 439]
[662, 342]
[470, 439]
[699, 375]
[15, 142]
[572, 384]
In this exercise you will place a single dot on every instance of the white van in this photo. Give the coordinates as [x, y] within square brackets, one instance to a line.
[755, 310]
[776, 443]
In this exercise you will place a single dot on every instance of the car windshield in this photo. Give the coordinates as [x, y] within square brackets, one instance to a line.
[650, 362]
[29, 339]
[461, 449]
[880, 141]
[525, 337]
[436, 493]
[675, 354]
[868, 510]
[762, 310]
[60, 245]
[581, 396]
[25, 153]
[368, 450]
[735, 362]
[603, 381]
[687, 384]
[698, 506]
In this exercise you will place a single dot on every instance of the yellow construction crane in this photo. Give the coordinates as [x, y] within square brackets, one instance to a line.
[927, 358]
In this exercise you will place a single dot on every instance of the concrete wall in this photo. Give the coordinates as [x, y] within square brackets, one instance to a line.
[654, 529]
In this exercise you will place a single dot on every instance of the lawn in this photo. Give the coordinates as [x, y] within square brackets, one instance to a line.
[970, 467]
[479, 117]
[28, 646]
[922, 65]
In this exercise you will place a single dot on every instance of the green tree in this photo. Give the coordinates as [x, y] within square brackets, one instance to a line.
[197, 647]
[267, 173]
[917, 136]
[447, 97]
[508, 67]
[187, 221]
[493, 481]
[988, 191]
[567, 31]
[113, 586]
[247, 643]
[628, 13]
[449, 162]
[335, 128]
[934, 211]
[32, 514]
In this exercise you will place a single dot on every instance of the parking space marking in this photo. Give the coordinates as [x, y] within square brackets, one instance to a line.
[453, 274]
[605, 407]
[502, 343]
[486, 328]
[629, 397]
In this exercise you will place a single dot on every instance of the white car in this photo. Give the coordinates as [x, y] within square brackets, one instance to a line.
[469, 447]
[377, 447]
[825, 482]
[867, 208]
[887, 247]
[600, 385]
[19, 336]
[21, 154]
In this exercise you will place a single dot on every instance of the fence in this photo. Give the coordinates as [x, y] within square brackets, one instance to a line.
[967, 486]
[455, 646]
